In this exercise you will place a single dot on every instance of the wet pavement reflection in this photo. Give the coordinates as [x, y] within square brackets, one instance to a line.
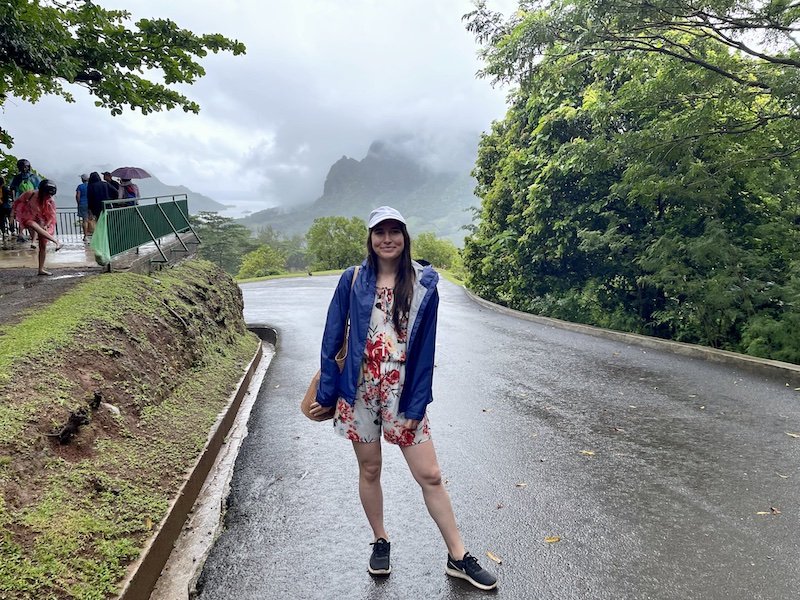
[649, 468]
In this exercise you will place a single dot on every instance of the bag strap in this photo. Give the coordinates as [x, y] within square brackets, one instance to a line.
[343, 352]
[347, 322]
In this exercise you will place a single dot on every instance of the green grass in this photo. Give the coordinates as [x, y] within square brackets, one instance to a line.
[104, 298]
[451, 277]
[88, 517]
[287, 275]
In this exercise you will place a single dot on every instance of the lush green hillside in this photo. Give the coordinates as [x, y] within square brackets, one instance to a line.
[437, 201]
[645, 177]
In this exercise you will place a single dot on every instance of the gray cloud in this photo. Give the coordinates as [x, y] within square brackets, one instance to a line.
[320, 80]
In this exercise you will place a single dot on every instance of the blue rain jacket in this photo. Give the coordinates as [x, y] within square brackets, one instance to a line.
[417, 389]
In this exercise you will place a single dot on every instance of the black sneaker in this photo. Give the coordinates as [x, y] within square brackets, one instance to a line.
[379, 561]
[469, 569]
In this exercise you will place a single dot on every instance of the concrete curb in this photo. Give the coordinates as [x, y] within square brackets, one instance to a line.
[144, 573]
[774, 368]
[140, 263]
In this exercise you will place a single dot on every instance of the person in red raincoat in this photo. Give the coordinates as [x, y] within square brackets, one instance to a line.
[36, 210]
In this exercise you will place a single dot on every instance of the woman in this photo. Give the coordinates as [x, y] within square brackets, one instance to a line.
[386, 382]
[37, 212]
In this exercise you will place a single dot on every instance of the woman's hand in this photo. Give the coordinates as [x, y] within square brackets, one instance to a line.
[317, 411]
[411, 424]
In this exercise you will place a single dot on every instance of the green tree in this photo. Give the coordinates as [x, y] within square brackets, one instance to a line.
[440, 253]
[222, 240]
[634, 189]
[293, 248]
[264, 260]
[336, 242]
[46, 46]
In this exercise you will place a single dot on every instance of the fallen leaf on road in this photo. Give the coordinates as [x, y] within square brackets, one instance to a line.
[552, 539]
[772, 511]
[488, 409]
[522, 485]
[794, 435]
[148, 524]
[494, 557]
[587, 452]
[781, 476]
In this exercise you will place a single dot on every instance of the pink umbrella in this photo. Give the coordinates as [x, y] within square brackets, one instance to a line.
[130, 173]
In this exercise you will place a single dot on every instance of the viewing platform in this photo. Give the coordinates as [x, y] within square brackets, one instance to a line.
[147, 231]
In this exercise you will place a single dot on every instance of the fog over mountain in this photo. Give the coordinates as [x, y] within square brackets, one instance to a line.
[433, 195]
[319, 80]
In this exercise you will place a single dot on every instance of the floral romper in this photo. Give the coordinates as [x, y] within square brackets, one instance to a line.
[380, 384]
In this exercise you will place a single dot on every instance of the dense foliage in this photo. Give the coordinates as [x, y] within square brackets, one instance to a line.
[336, 242]
[292, 247]
[441, 253]
[261, 262]
[223, 241]
[45, 46]
[644, 177]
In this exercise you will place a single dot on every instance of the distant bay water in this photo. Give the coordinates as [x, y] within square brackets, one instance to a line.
[239, 205]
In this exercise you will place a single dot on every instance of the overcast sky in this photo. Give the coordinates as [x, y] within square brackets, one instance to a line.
[321, 79]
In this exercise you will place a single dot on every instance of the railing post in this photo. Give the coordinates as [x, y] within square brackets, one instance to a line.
[171, 226]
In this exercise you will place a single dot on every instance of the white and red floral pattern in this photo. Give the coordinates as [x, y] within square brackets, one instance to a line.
[380, 384]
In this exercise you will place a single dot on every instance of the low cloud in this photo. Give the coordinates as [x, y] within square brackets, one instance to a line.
[320, 80]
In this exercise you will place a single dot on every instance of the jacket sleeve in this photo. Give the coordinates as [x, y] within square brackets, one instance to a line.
[328, 390]
[421, 378]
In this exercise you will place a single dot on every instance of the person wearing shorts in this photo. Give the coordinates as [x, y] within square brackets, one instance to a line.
[385, 385]
[82, 200]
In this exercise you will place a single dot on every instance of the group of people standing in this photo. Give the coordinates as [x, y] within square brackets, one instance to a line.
[93, 191]
[28, 203]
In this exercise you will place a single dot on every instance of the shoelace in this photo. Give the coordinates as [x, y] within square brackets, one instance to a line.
[470, 562]
[380, 546]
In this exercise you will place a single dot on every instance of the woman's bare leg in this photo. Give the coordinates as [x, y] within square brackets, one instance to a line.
[42, 255]
[424, 466]
[369, 485]
[44, 236]
[43, 233]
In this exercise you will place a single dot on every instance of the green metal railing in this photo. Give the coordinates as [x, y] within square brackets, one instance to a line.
[147, 221]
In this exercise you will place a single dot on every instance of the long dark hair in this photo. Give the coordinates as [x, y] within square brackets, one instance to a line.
[403, 281]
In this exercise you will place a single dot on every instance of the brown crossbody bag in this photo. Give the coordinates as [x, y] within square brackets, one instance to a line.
[341, 355]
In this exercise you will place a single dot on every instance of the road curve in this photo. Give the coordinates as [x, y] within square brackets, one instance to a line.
[649, 468]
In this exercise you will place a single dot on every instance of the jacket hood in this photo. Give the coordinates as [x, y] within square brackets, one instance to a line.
[426, 276]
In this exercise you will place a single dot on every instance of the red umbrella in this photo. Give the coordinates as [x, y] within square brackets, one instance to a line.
[130, 173]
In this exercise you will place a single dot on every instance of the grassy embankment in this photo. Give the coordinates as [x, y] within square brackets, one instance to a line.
[163, 354]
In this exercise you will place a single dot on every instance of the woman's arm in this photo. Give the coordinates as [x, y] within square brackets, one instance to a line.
[419, 378]
[332, 338]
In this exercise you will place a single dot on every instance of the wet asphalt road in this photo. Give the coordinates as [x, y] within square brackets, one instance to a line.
[685, 454]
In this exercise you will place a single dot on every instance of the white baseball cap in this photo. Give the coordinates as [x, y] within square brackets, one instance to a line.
[384, 213]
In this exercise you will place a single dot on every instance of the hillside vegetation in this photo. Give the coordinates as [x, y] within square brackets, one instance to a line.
[107, 397]
[645, 176]
[432, 200]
